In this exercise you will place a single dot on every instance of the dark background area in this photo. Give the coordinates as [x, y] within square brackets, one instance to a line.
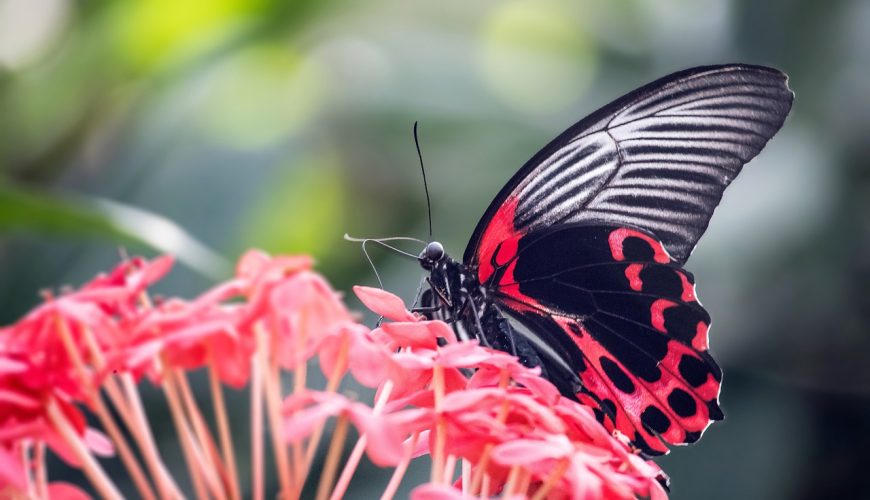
[283, 125]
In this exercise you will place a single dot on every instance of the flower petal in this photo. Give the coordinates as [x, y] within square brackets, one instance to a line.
[11, 469]
[383, 303]
[301, 422]
[99, 443]
[528, 451]
[423, 334]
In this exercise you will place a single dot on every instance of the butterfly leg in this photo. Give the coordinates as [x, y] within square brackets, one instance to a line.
[432, 311]
[479, 331]
[437, 291]
[426, 310]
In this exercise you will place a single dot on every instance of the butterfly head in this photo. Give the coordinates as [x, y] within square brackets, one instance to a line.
[431, 255]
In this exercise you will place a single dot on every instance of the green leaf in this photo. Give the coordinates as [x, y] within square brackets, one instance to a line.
[80, 216]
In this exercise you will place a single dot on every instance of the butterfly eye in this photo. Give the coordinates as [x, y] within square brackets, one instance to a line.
[434, 251]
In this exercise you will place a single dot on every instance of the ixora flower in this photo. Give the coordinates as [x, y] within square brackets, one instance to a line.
[491, 426]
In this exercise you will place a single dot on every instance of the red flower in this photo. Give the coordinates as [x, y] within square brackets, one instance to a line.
[515, 435]
[366, 356]
[307, 411]
[188, 336]
[303, 311]
[504, 420]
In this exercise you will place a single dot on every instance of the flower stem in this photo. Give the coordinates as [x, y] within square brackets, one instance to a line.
[271, 391]
[256, 428]
[133, 416]
[211, 458]
[401, 468]
[551, 480]
[449, 468]
[483, 462]
[512, 480]
[95, 402]
[184, 435]
[525, 482]
[72, 351]
[440, 426]
[41, 471]
[123, 447]
[300, 384]
[484, 487]
[332, 385]
[353, 460]
[95, 474]
[466, 477]
[220, 411]
[133, 413]
[339, 436]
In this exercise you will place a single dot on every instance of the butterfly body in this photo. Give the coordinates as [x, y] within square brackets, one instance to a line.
[577, 265]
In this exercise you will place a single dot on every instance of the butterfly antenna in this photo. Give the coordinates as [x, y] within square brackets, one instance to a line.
[371, 263]
[381, 241]
[425, 185]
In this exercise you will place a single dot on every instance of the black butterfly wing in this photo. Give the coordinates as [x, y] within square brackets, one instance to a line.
[657, 159]
[653, 163]
[610, 303]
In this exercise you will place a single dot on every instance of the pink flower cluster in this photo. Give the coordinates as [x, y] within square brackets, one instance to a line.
[491, 426]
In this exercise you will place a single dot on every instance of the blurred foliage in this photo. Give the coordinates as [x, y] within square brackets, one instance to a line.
[22, 209]
[284, 125]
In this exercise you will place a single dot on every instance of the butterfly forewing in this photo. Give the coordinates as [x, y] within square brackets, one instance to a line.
[657, 159]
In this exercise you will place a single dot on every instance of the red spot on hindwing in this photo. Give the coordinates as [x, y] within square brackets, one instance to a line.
[632, 272]
[708, 390]
[700, 341]
[499, 240]
[657, 313]
[617, 238]
[688, 294]
[670, 408]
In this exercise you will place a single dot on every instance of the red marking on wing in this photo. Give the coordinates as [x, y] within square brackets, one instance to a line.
[595, 382]
[514, 299]
[688, 289]
[709, 389]
[507, 250]
[632, 272]
[500, 231]
[508, 286]
[587, 400]
[618, 236]
[701, 339]
[657, 313]
[630, 406]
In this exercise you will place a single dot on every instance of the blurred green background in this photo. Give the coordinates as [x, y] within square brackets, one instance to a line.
[206, 127]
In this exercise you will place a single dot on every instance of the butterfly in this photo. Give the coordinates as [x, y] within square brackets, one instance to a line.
[577, 265]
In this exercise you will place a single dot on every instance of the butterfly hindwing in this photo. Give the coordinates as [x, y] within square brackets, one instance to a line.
[612, 303]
